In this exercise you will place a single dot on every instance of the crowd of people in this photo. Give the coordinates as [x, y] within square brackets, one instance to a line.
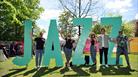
[9, 50]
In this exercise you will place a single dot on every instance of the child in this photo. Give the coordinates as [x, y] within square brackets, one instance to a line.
[87, 50]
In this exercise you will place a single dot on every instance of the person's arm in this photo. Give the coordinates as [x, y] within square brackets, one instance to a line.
[13, 48]
[98, 39]
[111, 39]
[117, 40]
[62, 36]
[127, 39]
[44, 42]
[72, 41]
[35, 39]
[130, 39]
[35, 42]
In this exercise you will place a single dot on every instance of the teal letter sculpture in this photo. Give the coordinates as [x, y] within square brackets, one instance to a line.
[52, 39]
[86, 24]
[21, 61]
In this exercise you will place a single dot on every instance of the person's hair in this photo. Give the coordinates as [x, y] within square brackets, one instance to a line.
[68, 35]
[102, 29]
[92, 34]
[41, 33]
[120, 31]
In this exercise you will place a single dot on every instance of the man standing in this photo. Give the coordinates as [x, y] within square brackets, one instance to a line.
[103, 40]
[39, 49]
[122, 48]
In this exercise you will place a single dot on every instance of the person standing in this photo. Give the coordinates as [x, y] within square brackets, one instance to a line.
[68, 49]
[39, 49]
[87, 50]
[122, 48]
[103, 40]
[12, 49]
[93, 48]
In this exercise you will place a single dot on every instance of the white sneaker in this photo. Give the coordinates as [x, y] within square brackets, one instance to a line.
[106, 65]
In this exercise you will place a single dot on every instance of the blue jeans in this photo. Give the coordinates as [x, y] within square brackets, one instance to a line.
[68, 53]
[93, 53]
[38, 58]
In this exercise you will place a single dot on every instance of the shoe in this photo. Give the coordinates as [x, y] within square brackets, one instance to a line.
[118, 66]
[129, 67]
[106, 66]
[70, 64]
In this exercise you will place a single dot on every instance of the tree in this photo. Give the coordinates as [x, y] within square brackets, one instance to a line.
[65, 25]
[13, 13]
[128, 29]
[77, 11]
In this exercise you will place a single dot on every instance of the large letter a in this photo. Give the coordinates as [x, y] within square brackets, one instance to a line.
[52, 46]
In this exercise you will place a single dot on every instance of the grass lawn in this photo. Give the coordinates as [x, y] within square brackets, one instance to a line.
[8, 69]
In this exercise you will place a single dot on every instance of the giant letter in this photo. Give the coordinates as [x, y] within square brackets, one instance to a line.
[55, 52]
[86, 24]
[27, 45]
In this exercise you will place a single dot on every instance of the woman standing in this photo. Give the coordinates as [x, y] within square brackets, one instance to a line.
[68, 49]
[93, 48]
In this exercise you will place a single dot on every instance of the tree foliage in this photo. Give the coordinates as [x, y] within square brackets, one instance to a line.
[65, 25]
[12, 15]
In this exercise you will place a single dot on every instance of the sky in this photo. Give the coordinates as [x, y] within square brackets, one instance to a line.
[127, 8]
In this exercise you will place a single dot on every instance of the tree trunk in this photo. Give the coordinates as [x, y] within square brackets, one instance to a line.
[79, 16]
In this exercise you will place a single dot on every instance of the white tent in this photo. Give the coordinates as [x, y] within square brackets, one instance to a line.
[2, 55]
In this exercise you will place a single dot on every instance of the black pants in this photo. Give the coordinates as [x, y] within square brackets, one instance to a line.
[86, 59]
[105, 51]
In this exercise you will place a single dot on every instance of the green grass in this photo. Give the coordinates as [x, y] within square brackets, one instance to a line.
[8, 69]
